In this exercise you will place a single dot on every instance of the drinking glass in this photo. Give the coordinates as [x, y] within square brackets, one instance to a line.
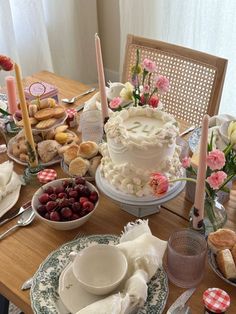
[91, 126]
[186, 257]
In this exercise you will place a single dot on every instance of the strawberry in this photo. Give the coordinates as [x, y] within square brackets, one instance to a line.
[6, 63]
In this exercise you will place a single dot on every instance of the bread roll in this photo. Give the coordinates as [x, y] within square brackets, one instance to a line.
[221, 239]
[79, 166]
[88, 149]
[70, 153]
[226, 264]
[47, 150]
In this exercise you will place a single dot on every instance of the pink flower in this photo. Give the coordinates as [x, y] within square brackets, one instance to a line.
[186, 161]
[149, 65]
[115, 103]
[6, 63]
[162, 84]
[153, 101]
[216, 159]
[216, 179]
[159, 183]
[146, 89]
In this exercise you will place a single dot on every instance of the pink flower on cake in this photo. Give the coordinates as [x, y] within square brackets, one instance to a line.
[216, 159]
[153, 101]
[159, 183]
[186, 161]
[6, 63]
[149, 65]
[115, 103]
[216, 179]
[162, 84]
[146, 89]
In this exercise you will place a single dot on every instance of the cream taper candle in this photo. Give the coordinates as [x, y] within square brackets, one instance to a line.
[33, 160]
[198, 213]
[101, 78]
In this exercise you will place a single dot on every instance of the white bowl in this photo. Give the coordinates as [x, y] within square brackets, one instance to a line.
[61, 225]
[100, 268]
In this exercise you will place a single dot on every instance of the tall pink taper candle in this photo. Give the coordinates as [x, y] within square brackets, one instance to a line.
[101, 78]
[198, 214]
[11, 93]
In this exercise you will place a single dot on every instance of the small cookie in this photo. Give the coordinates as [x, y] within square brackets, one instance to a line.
[79, 166]
[32, 121]
[88, 149]
[70, 153]
[59, 112]
[61, 128]
[44, 114]
[44, 124]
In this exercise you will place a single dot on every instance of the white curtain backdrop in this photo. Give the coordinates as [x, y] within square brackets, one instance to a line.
[53, 35]
[205, 25]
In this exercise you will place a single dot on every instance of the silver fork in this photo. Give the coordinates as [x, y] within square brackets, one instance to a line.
[28, 283]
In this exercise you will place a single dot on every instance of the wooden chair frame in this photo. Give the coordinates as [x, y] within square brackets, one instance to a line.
[196, 78]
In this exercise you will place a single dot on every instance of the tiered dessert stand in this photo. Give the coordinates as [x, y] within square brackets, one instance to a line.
[137, 206]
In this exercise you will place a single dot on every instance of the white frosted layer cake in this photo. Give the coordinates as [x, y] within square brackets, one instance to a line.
[140, 141]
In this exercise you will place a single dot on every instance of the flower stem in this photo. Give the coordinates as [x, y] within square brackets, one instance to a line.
[190, 180]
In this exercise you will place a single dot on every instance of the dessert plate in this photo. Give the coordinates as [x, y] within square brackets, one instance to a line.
[9, 201]
[54, 288]
[214, 266]
[119, 196]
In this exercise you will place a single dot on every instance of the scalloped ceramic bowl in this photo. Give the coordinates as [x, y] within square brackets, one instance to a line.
[99, 268]
[62, 225]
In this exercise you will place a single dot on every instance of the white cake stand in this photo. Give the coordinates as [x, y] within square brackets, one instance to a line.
[137, 206]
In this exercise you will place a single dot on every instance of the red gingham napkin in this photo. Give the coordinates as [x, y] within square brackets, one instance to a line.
[47, 175]
[216, 300]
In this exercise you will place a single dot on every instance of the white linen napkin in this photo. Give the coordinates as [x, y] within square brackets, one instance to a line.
[9, 180]
[144, 253]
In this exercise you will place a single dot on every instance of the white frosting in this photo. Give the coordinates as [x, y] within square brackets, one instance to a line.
[140, 141]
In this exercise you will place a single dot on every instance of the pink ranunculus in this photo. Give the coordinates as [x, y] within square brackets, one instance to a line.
[216, 159]
[6, 63]
[159, 183]
[216, 179]
[146, 89]
[162, 84]
[115, 103]
[186, 161]
[153, 101]
[149, 65]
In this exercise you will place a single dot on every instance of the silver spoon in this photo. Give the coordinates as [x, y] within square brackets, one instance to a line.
[25, 219]
[73, 99]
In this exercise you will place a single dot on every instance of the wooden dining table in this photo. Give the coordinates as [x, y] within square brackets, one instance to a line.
[22, 252]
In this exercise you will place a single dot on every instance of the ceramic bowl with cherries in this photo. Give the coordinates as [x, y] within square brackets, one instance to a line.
[65, 204]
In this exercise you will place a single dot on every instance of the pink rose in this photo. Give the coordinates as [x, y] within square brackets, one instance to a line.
[216, 179]
[162, 84]
[159, 183]
[153, 101]
[186, 161]
[115, 103]
[143, 99]
[216, 159]
[149, 65]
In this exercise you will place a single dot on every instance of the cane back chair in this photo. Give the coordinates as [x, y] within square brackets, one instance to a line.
[196, 78]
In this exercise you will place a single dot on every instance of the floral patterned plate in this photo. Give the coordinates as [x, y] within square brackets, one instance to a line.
[44, 294]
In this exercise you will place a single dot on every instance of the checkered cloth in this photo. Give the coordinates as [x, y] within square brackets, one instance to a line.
[216, 300]
[47, 175]
[71, 111]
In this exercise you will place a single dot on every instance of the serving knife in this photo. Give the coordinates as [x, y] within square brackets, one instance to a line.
[17, 213]
[179, 305]
[188, 130]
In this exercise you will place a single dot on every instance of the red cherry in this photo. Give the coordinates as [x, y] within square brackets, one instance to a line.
[88, 206]
[49, 190]
[76, 207]
[62, 195]
[55, 216]
[66, 212]
[74, 216]
[42, 210]
[44, 198]
[73, 193]
[51, 205]
[80, 180]
[53, 197]
[93, 196]
[83, 199]
[59, 189]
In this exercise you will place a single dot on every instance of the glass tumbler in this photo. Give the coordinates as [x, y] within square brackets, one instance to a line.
[91, 126]
[186, 258]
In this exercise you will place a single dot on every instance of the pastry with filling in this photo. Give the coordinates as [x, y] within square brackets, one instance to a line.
[88, 149]
[79, 166]
[48, 150]
[226, 264]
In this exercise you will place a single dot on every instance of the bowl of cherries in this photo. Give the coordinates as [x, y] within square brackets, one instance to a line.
[65, 204]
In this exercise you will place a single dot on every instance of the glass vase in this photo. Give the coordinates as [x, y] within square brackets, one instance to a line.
[215, 215]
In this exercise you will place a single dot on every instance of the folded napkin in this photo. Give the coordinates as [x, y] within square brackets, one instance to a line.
[144, 254]
[9, 180]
